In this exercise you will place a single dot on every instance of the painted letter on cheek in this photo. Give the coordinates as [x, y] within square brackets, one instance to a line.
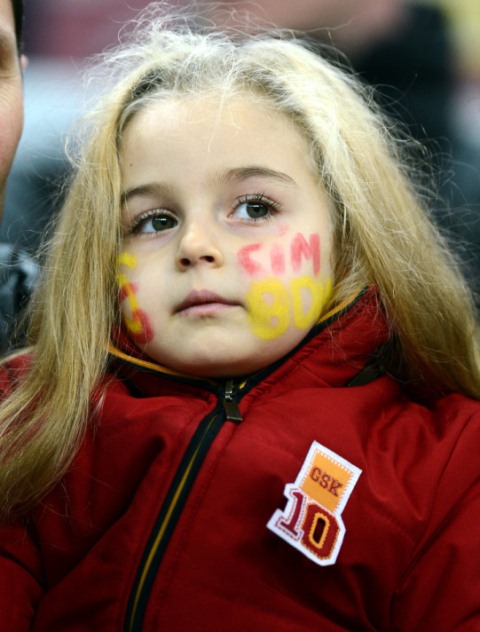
[277, 257]
[268, 306]
[300, 248]
[248, 264]
[306, 288]
[138, 324]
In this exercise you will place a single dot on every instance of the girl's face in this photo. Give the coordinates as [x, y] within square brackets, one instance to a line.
[226, 258]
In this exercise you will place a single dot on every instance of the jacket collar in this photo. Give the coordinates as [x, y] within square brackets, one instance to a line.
[346, 346]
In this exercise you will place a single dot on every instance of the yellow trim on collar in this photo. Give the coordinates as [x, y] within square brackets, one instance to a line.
[139, 362]
[338, 308]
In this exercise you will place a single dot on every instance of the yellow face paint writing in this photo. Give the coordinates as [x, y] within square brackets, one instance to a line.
[138, 323]
[274, 306]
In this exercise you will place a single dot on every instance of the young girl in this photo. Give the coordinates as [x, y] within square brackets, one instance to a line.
[250, 403]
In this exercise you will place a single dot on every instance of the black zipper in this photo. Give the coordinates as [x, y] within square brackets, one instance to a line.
[174, 503]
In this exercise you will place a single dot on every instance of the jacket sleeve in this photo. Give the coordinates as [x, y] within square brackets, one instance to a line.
[21, 569]
[20, 579]
[441, 588]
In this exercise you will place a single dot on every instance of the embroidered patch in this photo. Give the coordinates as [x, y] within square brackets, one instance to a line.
[311, 521]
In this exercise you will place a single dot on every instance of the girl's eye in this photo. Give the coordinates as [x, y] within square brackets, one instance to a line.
[154, 222]
[254, 209]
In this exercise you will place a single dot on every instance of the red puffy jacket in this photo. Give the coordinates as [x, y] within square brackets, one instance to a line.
[314, 495]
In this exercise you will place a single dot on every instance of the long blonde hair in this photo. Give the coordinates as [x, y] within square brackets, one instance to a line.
[382, 233]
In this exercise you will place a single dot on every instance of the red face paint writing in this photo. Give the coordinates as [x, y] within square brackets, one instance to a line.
[299, 250]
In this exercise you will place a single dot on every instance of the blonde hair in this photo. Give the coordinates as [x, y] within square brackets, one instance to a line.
[382, 233]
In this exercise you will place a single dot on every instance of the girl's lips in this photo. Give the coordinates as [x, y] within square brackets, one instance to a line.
[203, 302]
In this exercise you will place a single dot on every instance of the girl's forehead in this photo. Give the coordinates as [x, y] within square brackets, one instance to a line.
[236, 113]
[205, 105]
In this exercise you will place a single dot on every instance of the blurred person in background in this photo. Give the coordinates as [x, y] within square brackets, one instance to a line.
[417, 74]
[17, 271]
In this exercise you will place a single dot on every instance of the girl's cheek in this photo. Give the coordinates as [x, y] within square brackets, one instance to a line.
[280, 294]
[135, 319]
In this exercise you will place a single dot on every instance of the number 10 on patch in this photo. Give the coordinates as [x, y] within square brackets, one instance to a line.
[311, 521]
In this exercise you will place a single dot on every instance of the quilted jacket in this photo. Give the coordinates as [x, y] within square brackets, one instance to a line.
[313, 495]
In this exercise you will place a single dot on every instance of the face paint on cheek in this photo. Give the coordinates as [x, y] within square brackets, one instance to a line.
[277, 258]
[244, 256]
[311, 250]
[273, 305]
[138, 324]
[300, 250]
[267, 304]
[310, 293]
[276, 304]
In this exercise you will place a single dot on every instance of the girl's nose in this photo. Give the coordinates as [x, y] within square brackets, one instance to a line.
[198, 246]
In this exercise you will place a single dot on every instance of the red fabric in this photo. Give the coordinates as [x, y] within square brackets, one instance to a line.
[410, 558]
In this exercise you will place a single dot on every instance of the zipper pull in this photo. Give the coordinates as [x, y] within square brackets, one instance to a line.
[230, 405]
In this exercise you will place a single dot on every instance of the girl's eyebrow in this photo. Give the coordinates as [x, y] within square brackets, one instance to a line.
[238, 174]
[145, 190]
[255, 171]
